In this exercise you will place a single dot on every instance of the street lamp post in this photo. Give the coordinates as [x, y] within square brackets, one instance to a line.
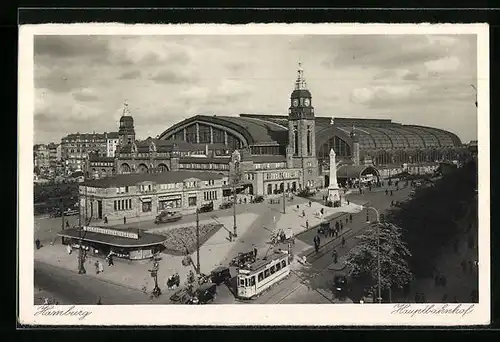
[236, 158]
[284, 198]
[197, 241]
[378, 248]
[81, 268]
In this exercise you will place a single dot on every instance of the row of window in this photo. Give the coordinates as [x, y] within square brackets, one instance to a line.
[204, 166]
[262, 166]
[170, 186]
[124, 204]
[101, 164]
[210, 195]
[273, 269]
[280, 175]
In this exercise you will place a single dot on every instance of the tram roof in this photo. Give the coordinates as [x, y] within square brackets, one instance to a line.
[260, 264]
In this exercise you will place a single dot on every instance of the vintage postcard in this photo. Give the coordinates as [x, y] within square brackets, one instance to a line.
[278, 174]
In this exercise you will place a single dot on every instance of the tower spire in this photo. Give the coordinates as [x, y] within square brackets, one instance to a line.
[126, 111]
[300, 83]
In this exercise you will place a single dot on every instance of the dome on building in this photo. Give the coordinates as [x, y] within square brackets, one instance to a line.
[300, 93]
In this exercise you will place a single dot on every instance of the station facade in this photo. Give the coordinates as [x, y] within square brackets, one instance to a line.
[286, 151]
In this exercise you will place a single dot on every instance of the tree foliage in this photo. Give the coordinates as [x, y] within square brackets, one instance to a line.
[428, 220]
[394, 270]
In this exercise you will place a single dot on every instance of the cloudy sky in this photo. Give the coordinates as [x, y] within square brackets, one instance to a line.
[81, 82]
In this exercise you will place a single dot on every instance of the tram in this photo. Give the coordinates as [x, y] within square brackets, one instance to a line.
[254, 278]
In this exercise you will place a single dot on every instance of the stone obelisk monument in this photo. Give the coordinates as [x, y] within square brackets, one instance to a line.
[333, 188]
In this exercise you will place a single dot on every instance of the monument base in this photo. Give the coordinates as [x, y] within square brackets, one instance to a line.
[333, 194]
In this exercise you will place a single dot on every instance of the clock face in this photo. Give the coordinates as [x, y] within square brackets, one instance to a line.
[307, 102]
[295, 102]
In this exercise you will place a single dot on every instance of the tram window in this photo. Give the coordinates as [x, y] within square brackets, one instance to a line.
[252, 281]
[242, 282]
[266, 273]
[283, 263]
[260, 277]
[272, 269]
[278, 267]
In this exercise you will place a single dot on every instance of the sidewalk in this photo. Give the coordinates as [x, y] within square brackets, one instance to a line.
[135, 274]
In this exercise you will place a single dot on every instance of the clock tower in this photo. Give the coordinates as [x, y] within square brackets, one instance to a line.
[301, 132]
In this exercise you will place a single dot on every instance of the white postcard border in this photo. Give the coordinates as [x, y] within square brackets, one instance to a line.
[338, 314]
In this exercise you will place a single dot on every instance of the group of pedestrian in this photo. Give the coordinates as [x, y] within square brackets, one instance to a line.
[388, 192]
[173, 281]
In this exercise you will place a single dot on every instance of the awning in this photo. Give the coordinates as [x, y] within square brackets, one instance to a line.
[145, 200]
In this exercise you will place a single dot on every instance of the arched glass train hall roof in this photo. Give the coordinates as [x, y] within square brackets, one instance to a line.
[372, 134]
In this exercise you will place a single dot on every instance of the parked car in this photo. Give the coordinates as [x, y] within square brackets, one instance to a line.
[168, 216]
[226, 205]
[205, 208]
[340, 284]
[204, 294]
[220, 275]
[258, 199]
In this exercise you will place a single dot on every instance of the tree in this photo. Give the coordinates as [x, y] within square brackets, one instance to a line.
[362, 261]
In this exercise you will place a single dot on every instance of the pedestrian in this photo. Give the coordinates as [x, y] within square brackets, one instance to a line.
[343, 241]
[336, 233]
[105, 220]
[67, 224]
[303, 213]
[124, 220]
[348, 202]
[335, 256]
[99, 302]
[274, 219]
[341, 225]
[110, 260]
[230, 237]
[101, 267]
[68, 248]
[346, 220]
[337, 225]
[391, 192]
[307, 224]
[322, 211]
[297, 207]
[392, 203]
[350, 218]
[37, 243]
[97, 267]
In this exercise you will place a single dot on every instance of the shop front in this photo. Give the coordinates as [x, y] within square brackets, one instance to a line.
[129, 243]
[169, 202]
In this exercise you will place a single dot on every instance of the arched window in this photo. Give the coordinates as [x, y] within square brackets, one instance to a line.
[142, 168]
[125, 168]
[162, 167]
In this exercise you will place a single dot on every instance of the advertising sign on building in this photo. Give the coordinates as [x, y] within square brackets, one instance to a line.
[113, 232]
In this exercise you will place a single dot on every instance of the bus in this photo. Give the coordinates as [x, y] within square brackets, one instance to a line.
[260, 275]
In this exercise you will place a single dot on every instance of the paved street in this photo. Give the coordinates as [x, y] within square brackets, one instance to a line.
[254, 232]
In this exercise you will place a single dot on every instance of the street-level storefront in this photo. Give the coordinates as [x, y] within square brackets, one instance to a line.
[123, 243]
